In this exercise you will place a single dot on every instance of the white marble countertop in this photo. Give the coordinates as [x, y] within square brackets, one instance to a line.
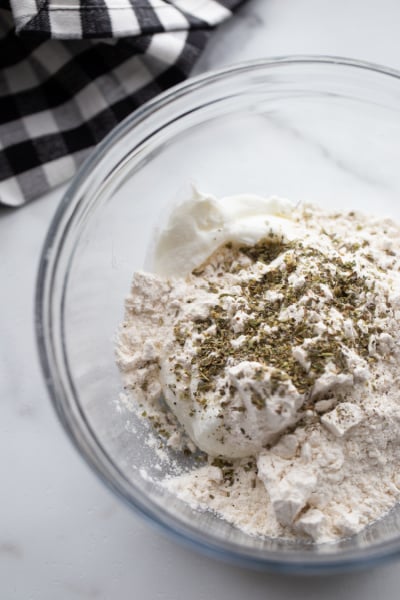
[62, 534]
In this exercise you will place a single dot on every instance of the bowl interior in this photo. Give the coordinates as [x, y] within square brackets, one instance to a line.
[321, 131]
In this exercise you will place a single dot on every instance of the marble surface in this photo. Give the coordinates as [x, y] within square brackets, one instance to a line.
[62, 535]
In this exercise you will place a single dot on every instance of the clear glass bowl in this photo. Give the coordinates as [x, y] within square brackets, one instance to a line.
[321, 129]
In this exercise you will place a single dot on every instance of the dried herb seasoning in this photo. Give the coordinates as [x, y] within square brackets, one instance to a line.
[328, 282]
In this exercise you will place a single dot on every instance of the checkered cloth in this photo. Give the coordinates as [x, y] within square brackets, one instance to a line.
[70, 70]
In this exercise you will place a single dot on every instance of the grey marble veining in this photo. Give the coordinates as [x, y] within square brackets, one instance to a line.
[62, 534]
[328, 153]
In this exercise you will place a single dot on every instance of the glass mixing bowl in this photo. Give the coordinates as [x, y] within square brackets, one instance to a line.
[309, 128]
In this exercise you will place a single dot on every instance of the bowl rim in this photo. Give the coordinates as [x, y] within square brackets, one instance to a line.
[47, 267]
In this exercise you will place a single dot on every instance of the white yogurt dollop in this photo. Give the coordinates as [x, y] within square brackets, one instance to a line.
[197, 227]
[240, 428]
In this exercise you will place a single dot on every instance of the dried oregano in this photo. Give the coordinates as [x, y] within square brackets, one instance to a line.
[269, 340]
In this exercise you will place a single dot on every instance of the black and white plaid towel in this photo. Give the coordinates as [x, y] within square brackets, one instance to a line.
[70, 70]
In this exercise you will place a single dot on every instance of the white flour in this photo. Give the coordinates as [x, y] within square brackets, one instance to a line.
[280, 361]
